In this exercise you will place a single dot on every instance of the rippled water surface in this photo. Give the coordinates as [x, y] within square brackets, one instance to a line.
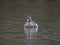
[12, 33]
[13, 14]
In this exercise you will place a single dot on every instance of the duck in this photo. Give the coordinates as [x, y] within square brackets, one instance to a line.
[30, 25]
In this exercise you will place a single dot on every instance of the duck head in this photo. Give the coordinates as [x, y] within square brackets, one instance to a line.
[29, 19]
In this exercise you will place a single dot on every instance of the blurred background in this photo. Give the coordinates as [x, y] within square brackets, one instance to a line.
[13, 14]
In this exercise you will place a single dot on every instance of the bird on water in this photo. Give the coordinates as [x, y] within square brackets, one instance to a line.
[30, 25]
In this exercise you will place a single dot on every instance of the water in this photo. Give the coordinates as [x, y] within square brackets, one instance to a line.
[12, 32]
[45, 13]
[31, 39]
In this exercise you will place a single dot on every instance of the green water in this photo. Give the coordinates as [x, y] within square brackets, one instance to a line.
[13, 14]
